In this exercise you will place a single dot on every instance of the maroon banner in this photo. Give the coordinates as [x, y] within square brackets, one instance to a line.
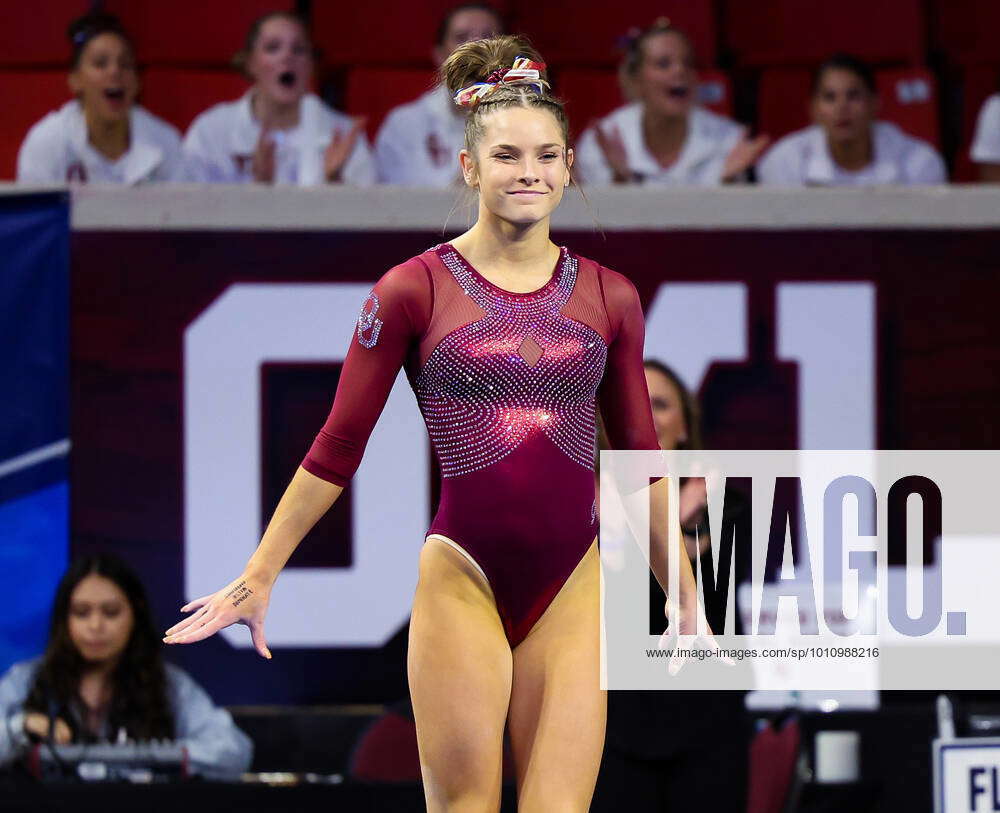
[935, 350]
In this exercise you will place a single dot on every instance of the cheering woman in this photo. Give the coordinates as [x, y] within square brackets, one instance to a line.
[510, 342]
[103, 135]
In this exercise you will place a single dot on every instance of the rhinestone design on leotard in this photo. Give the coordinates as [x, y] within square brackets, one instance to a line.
[368, 323]
[521, 369]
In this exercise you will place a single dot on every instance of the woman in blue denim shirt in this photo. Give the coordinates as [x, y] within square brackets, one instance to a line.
[102, 679]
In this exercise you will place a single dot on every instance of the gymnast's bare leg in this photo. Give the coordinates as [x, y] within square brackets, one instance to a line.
[465, 683]
[557, 708]
[459, 667]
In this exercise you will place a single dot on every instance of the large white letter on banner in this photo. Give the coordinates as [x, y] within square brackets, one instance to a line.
[224, 349]
[692, 324]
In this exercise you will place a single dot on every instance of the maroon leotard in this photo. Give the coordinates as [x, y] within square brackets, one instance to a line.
[507, 384]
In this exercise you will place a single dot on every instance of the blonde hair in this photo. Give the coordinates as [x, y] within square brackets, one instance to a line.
[475, 61]
[634, 51]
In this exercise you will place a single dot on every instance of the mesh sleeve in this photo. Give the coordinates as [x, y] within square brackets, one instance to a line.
[393, 317]
[623, 396]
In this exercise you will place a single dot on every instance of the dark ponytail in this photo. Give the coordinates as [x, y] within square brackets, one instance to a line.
[83, 29]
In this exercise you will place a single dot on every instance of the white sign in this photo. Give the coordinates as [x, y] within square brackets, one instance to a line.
[967, 775]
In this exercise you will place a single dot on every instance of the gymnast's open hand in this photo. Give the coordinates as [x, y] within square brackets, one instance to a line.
[683, 621]
[243, 601]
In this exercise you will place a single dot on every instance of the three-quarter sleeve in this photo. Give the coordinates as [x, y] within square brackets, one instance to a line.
[393, 317]
[623, 396]
[216, 748]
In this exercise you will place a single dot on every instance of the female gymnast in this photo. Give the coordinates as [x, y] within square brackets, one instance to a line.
[507, 340]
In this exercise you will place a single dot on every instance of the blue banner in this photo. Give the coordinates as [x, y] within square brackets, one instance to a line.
[34, 414]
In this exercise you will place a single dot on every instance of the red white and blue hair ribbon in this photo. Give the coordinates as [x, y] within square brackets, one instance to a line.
[523, 72]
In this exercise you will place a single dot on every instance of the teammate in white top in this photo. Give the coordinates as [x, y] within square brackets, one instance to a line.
[847, 146]
[278, 132]
[986, 142]
[418, 141]
[101, 136]
[663, 137]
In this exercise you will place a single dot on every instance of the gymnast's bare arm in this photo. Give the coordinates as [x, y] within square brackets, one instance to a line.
[244, 600]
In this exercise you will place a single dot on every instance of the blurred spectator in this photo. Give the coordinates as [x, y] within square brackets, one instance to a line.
[676, 749]
[101, 136]
[418, 143]
[278, 132]
[102, 678]
[986, 142]
[663, 136]
[847, 146]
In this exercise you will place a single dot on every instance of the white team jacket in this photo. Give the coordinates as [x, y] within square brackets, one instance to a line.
[57, 150]
[986, 143]
[418, 143]
[709, 141]
[220, 142]
[803, 158]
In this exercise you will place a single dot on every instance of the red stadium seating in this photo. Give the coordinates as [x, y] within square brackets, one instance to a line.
[966, 30]
[591, 93]
[567, 33]
[34, 34]
[387, 752]
[773, 754]
[771, 33]
[26, 96]
[395, 33]
[189, 32]
[180, 94]
[373, 92]
[783, 101]
[978, 84]
[909, 98]
[715, 92]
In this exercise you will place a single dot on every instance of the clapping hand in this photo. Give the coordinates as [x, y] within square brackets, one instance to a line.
[743, 156]
[613, 147]
[339, 150]
[262, 162]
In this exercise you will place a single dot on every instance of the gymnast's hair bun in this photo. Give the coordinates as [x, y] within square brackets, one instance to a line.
[476, 60]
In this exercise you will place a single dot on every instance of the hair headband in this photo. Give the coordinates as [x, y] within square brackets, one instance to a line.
[523, 72]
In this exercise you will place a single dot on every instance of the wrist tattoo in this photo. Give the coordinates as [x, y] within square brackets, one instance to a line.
[239, 593]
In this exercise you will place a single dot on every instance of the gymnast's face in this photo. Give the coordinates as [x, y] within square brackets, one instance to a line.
[100, 619]
[521, 166]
